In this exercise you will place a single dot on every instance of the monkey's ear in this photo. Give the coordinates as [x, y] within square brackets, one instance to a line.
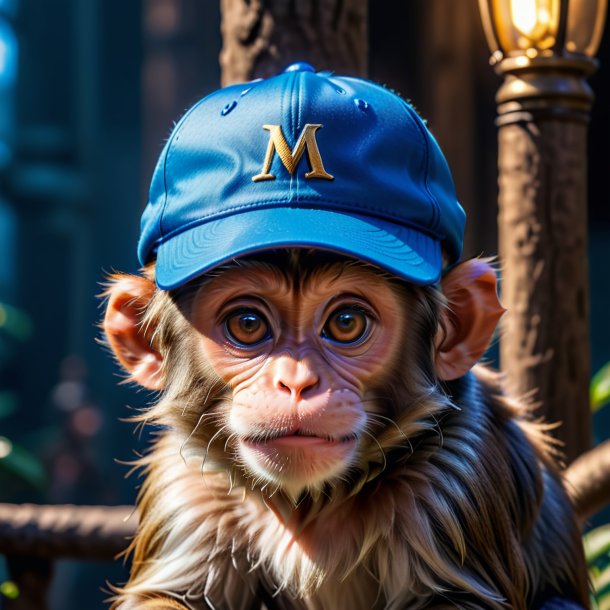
[470, 319]
[128, 295]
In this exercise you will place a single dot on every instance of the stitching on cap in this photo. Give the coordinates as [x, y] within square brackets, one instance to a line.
[294, 100]
[288, 134]
[298, 123]
[293, 136]
[341, 206]
[176, 131]
[422, 130]
[160, 227]
[300, 103]
[282, 115]
[435, 205]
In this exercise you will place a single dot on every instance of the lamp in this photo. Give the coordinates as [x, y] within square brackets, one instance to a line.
[543, 27]
[544, 50]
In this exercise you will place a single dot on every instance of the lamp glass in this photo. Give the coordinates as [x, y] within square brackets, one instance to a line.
[531, 26]
[585, 26]
[526, 24]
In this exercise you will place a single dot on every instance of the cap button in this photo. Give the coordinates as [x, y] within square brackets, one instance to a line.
[300, 66]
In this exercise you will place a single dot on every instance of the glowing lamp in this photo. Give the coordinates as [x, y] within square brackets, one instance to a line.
[534, 28]
[545, 49]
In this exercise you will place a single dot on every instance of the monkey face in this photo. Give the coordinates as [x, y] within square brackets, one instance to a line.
[299, 357]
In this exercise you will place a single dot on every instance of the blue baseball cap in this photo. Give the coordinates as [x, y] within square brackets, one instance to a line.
[301, 159]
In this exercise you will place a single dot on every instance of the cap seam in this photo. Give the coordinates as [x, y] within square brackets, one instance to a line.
[177, 129]
[282, 203]
[294, 184]
[164, 192]
[293, 111]
[298, 124]
[435, 206]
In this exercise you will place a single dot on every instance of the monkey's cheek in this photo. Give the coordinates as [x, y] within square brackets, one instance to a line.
[298, 462]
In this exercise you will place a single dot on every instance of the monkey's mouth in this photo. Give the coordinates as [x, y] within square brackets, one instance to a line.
[299, 438]
[296, 459]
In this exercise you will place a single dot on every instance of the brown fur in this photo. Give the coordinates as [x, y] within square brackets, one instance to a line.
[455, 501]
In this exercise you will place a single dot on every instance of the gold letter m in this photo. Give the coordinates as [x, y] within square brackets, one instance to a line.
[290, 159]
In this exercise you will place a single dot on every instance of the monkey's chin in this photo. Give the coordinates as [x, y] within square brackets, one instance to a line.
[295, 463]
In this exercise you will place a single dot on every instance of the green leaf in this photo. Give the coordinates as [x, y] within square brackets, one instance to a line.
[9, 589]
[597, 551]
[602, 583]
[597, 543]
[603, 598]
[600, 388]
[20, 462]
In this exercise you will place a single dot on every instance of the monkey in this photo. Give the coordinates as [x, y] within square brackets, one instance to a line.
[387, 483]
[325, 436]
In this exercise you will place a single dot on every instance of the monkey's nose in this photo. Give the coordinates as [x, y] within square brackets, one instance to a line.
[295, 379]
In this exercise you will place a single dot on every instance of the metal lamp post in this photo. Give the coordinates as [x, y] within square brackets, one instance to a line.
[544, 50]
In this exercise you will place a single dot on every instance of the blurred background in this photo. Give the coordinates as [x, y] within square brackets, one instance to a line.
[89, 90]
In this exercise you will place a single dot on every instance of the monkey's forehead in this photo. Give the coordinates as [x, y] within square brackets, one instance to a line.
[301, 160]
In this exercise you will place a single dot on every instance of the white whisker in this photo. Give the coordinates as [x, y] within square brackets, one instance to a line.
[385, 461]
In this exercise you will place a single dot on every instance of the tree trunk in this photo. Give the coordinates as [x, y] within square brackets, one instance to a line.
[262, 37]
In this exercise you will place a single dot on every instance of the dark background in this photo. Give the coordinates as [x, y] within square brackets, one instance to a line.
[89, 90]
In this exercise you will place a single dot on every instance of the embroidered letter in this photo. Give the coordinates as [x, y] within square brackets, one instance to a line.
[290, 159]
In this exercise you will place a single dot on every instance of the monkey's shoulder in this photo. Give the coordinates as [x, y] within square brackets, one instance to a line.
[509, 466]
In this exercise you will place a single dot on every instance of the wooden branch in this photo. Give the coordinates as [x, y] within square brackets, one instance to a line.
[588, 481]
[102, 532]
[77, 532]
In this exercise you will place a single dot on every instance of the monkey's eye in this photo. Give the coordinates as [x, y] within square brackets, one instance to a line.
[346, 325]
[246, 327]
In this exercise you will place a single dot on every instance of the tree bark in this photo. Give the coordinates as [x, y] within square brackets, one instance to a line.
[543, 250]
[262, 37]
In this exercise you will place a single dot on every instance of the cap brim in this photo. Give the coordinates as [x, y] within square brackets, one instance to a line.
[405, 252]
